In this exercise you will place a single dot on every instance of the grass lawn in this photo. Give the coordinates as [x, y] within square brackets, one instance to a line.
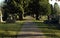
[49, 30]
[10, 29]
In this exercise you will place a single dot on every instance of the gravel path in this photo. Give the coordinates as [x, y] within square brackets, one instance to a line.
[30, 30]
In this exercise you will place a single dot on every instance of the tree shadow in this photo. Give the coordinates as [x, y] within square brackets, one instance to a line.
[52, 35]
[22, 35]
[52, 24]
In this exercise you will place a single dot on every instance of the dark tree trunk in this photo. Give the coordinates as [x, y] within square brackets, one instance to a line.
[37, 16]
[5, 15]
[20, 16]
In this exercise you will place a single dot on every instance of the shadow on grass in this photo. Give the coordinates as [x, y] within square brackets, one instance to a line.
[52, 25]
[52, 35]
[23, 35]
[49, 28]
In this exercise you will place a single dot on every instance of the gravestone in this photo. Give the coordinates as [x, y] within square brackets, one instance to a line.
[11, 19]
[50, 17]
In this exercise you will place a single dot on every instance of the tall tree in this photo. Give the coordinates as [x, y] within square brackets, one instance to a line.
[12, 7]
[56, 9]
[21, 5]
[45, 7]
[34, 8]
[28, 6]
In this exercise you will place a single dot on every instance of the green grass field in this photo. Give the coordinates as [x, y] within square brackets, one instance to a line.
[49, 30]
[10, 29]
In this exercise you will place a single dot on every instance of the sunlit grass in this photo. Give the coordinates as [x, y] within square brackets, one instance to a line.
[10, 29]
[42, 19]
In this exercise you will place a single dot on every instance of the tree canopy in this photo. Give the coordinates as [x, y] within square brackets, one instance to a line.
[38, 7]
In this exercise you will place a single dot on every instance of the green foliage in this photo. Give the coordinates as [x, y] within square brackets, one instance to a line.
[48, 9]
[10, 29]
[56, 9]
[45, 7]
[22, 7]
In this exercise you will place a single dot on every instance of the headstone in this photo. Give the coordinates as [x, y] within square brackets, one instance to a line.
[10, 19]
[50, 17]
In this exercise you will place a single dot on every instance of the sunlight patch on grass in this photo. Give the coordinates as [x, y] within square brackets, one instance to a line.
[2, 32]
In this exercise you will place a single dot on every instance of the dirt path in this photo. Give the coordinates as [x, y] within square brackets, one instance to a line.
[30, 30]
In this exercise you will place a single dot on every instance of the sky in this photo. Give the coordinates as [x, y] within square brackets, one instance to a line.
[53, 1]
[1, 2]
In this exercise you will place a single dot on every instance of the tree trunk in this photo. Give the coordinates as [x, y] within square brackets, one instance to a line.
[37, 16]
[20, 16]
[1, 15]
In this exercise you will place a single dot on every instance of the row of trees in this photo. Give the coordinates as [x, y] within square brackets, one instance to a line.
[54, 17]
[26, 7]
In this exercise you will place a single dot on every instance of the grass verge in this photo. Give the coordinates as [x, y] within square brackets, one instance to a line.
[10, 29]
[49, 30]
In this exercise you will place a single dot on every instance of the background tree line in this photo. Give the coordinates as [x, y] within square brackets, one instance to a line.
[26, 7]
